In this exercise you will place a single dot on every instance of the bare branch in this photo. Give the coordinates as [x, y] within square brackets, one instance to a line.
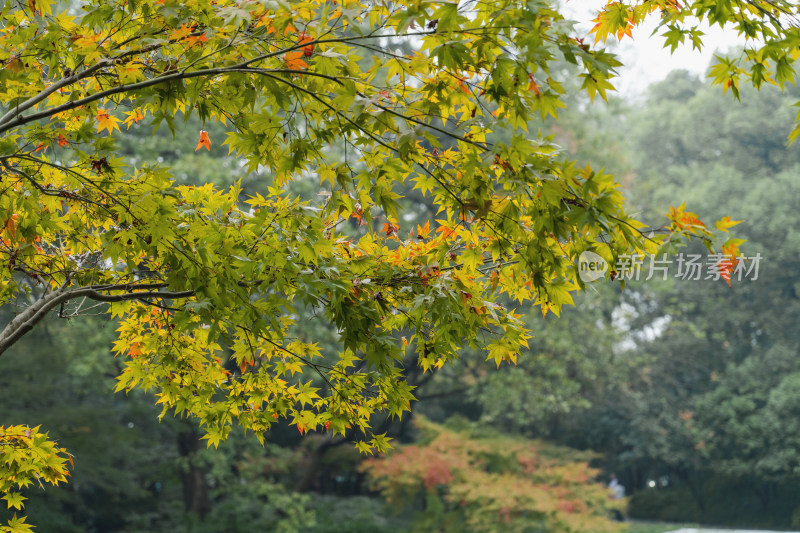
[27, 319]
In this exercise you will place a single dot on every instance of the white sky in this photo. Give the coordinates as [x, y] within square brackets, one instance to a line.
[645, 58]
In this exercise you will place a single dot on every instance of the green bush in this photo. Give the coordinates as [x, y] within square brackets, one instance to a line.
[356, 514]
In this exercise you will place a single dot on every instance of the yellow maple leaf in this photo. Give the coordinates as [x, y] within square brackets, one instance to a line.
[41, 7]
[133, 117]
[129, 73]
[106, 121]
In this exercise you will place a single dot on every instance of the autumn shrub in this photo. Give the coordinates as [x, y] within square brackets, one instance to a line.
[457, 480]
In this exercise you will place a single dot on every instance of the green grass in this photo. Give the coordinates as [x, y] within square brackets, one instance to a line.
[655, 527]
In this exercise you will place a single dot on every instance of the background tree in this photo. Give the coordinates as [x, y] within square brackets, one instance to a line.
[695, 411]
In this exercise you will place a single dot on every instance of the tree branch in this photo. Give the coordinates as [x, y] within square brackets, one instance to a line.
[27, 319]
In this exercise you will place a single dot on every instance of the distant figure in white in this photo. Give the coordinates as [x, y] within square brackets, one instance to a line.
[617, 490]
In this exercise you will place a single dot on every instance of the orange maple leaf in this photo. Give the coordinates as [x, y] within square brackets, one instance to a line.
[180, 33]
[204, 141]
[308, 49]
[62, 141]
[532, 86]
[622, 32]
[730, 259]
[689, 219]
[462, 85]
[684, 220]
[293, 60]
[390, 229]
[725, 268]
[11, 225]
[196, 39]
[244, 364]
[731, 250]
[358, 214]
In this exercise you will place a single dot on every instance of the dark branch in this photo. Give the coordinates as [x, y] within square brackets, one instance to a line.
[27, 319]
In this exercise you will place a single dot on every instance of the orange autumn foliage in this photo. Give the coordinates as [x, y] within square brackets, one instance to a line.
[474, 482]
[204, 141]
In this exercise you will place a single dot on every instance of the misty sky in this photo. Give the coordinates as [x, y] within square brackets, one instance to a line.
[645, 58]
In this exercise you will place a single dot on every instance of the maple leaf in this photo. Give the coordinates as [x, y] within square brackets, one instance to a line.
[724, 223]
[390, 229]
[731, 248]
[730, 258]
[684, 220]
[358, 214]
[423, 231]
[725, 267]
[181, 33]
[11, 225]
[194, 40]
[100, 165]
[130, 73]
[463, 86]
[14, 500]
[40, 7]
[689, 219]
[532, 86]
[134, 349]
[293, 60]
[308, 49]
[626, 30]
[204, 141]
[106, 121]
[613, 19]
[62, 141]
[133, 118]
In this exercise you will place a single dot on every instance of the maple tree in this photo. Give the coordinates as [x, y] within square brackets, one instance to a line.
[472, 482]
[207, 284]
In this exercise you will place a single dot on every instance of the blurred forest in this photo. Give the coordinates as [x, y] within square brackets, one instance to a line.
[688, 391]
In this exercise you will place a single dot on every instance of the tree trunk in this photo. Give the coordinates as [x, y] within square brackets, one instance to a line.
[309, 474]
[696, 488]
[764, 491]
[193, 476]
